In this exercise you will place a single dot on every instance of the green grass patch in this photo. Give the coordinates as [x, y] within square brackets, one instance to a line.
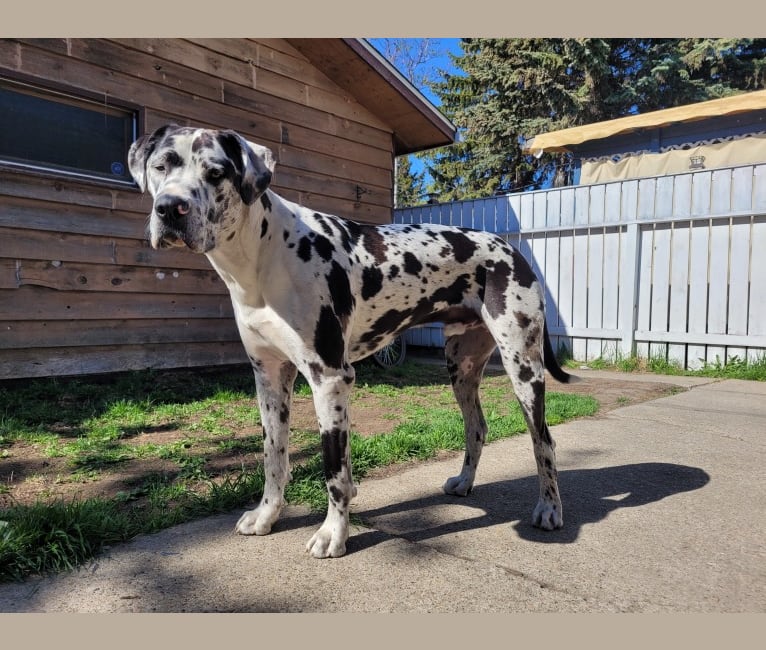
[92, 423]
[753, 369]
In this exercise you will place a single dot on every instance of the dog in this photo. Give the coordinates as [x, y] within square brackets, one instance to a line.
[313, 293]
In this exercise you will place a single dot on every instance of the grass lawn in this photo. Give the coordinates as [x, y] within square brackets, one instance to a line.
[89, 462]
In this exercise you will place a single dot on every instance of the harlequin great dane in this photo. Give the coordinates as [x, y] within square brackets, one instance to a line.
[312, 293]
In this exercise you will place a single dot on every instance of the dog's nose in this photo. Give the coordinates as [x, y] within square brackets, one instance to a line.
[169, 207]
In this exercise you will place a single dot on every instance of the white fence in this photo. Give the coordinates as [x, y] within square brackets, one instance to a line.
[671, 266]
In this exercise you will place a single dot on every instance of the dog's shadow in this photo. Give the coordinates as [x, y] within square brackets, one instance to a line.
[589, 496]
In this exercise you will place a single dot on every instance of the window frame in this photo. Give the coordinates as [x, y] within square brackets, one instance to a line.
[65, 94]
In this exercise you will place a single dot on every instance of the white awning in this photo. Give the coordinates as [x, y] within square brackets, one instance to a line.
[564, 139]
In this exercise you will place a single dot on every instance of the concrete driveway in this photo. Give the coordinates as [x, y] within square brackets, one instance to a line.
[663, 509]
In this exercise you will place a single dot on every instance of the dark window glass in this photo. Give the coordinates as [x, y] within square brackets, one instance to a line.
[53, 131]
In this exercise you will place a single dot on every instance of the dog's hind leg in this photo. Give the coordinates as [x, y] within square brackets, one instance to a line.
[524, 364]
[467, 355]
[274, 381]
[331, 389]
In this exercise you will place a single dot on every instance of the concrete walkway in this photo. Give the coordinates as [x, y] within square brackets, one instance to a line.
[663, 510]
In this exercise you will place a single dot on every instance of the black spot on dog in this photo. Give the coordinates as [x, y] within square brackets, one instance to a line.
[340, 292]
[393, 271]
[264, 228]
[172, 159]
[324, 247]
[374, 243]
[337, 496]
[538, 410]
[333, 451]
[266, 202]
[350, 232]
[522, 272]
[304, 249]
[522, 319]
[324, 225]
[284, 415]
[525, 373]
[316, 372]
[496, 287]
[411, 264]
[372, 282]
[481, 280]
[203, 141]
[462, 247]
[328, 338]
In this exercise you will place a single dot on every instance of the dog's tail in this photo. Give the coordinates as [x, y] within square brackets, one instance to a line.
[551, 363]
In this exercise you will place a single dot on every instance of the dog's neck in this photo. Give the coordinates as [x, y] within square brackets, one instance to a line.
[242, 260]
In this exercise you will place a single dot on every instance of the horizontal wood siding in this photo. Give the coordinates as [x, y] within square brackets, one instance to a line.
[80, 289]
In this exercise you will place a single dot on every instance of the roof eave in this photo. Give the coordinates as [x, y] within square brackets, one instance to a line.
[416, 123]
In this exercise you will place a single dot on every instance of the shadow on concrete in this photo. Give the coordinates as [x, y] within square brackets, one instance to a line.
[589, 496]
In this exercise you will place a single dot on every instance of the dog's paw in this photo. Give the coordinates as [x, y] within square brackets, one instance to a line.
[258, 521]
[328, 541]
[458, 485]
[547, 515]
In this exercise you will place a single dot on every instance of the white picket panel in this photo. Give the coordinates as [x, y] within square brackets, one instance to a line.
[756, 322]
[661, 261]
[644, 295]
[595, 289]
[679, 288]
[671, 266]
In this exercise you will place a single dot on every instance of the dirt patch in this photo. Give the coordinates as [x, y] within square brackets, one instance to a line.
[29, 474]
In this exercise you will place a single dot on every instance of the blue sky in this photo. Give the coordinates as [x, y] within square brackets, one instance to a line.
[443, 62]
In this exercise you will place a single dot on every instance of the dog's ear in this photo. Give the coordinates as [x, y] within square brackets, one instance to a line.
[254, 163]
[140, 151]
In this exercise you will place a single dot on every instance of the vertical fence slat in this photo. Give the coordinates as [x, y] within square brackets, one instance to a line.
[612, 279]
[718, 272]
[661, 263]
[580, 291]
[567, 206]
[644, 295]
[679, 288]
[566, 284]
[756, 323]
[581, 205]
[698, 266]
[551, 281]
[595, 288]
[663, 203]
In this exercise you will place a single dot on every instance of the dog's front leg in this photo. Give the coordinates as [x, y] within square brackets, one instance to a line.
[331, 394]
[274, 381]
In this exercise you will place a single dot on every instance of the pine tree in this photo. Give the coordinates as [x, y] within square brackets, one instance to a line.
[410, 187]
[508, 90]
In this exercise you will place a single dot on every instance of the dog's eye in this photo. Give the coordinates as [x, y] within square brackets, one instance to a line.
[215, 174]
[160, 168]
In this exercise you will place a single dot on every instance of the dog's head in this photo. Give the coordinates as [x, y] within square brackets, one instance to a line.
[202, 181]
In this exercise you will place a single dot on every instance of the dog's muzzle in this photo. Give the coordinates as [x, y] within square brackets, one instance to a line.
[172, 212]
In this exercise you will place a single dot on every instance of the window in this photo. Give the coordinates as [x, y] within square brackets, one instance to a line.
[52, 131]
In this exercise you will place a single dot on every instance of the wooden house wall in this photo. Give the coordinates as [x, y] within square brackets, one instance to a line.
[80, 289]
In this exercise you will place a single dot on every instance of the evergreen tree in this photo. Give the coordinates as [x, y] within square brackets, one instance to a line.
[410, 187]
[508, 90]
